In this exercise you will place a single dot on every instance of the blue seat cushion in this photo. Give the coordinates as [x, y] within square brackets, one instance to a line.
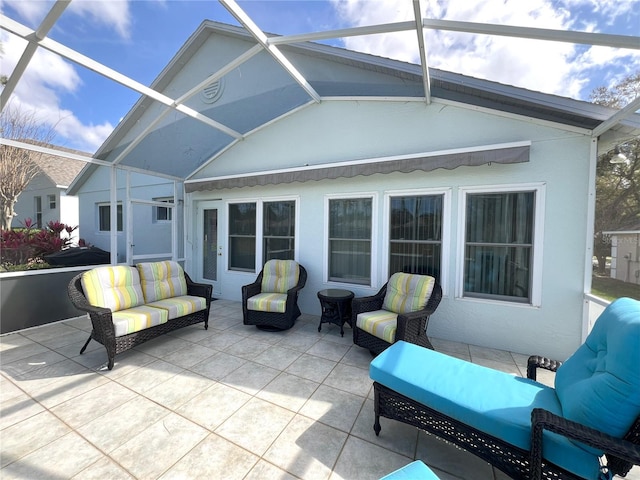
[413, 471]
[491, 401]
[599, 385]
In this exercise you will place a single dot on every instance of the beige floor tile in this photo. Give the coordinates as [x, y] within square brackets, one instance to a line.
[212, 458]
[266, 471]
[221, 341]
[18, 408]
[8, 389]
[122, 423]
[103, 469]
[358, 357]
[251, 377]
[178, 390]
[48, 332]
[249, 348]
[365, 461]
[218, 366]
[350, 379]
[266, 420]
[312, 368]
[162, 346]
[333, 407]
[81, 322]
[277, 357]
[29, 435]
[25, 365]
[149, 376]
[288, 391]
[307, 449]
[67, 388]
[449, 347]
[506, 367]
[298, 341]
[395, 436]
[448, 458]
[90, 405]
[162, 444]
[12, 341]
[329, 350]
[62, 458]
[214, 405]
[189, 355]
[489, 354]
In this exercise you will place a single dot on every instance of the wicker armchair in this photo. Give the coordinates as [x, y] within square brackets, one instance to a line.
[261, 314]
[411, 327]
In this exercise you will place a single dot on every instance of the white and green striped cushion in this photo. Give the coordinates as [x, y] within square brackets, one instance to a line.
[180, 306]
[115, 288]
[379, 323]
[407, 292]
[138, 318]
[279, 276]
[268, 302]
[161, 280]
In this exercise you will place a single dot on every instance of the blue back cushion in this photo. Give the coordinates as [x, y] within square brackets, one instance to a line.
[599, 385]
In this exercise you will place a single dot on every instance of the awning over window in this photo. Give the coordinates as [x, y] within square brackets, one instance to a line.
[405, 164]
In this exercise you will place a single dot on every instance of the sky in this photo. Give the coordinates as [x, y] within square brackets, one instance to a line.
[138, 38]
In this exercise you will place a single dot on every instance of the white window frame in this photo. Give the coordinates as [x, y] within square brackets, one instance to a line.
[51, 200]
[37, 211]
[446, 228]
[374, 238]
[259, 253]
[168, 208]
[538, 239]
[108, 204]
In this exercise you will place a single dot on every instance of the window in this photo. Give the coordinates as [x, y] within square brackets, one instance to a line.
[52, 201]
[104, 217]
[415, 234]
[499, 245]
[162, 214]
[37, 211]
[349, 253]
[278, 235]
[242, 236]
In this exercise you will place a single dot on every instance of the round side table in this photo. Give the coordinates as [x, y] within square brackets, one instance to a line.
[336, 307]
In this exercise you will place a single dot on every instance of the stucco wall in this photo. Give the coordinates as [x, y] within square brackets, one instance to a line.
[342, 131]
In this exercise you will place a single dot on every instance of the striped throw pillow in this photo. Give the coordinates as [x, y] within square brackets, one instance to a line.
[279, 276]
[115, 288]
[162, 280]
[407, 292]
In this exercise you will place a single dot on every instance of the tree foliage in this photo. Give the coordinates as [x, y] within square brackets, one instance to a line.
[17, 165]
[617, 184]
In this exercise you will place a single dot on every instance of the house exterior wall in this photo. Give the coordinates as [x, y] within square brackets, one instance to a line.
[41, 187]
[339, 131]
[342, 131]
[625, 257]
[150, 236]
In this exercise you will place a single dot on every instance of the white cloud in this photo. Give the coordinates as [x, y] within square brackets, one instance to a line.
[551, 67]
[46, 78]
[111, 13]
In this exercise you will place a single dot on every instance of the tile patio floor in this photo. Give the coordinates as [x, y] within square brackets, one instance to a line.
[231, 402]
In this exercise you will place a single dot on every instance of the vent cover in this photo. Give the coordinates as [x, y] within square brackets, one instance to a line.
[212, 92]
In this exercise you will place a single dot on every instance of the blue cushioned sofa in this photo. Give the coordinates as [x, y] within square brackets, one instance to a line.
[526, 429]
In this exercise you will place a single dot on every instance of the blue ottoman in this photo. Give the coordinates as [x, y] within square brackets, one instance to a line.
[414, 471]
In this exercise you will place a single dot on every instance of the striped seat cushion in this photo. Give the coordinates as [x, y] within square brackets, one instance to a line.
[407, 292]
[279, 276]
[379, 323]
[180, 306]
[161, 280]
[138, 318]
[116, 288]
[268, 302]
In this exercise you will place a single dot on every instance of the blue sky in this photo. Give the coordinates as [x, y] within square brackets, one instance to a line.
[139, 37]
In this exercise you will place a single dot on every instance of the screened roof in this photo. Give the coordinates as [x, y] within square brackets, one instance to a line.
[227, 82]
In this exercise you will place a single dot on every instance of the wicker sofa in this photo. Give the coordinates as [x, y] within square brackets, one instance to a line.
[524, 428]
[131, 305]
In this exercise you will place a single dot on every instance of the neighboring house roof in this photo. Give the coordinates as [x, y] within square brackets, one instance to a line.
[60, 170]
[332, 72]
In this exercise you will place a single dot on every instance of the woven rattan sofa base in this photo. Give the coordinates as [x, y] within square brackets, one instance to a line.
[103, 330]
[512, 460]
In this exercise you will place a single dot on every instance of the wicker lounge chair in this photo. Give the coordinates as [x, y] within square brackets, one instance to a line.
[271, 302]
[411, 326]
[587, 427]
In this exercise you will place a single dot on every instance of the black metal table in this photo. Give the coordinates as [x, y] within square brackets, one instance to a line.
[336, 307]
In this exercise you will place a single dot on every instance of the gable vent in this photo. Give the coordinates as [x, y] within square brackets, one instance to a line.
[212, 92]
